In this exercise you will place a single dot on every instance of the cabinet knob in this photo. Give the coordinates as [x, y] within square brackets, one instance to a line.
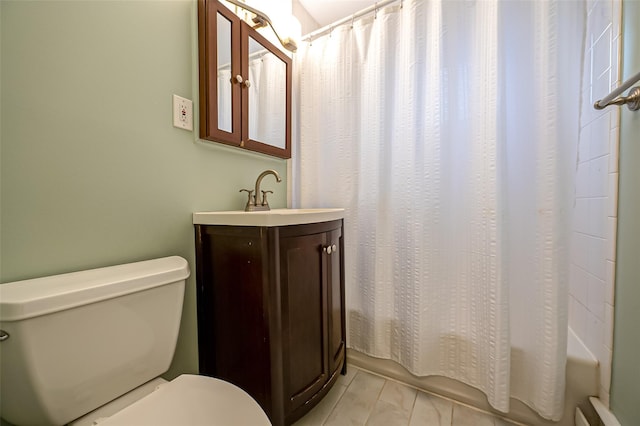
[246, 84]
[329, 249]
[237, 79]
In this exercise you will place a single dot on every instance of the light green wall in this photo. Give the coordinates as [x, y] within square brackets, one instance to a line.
[93, 173]
[625, 384]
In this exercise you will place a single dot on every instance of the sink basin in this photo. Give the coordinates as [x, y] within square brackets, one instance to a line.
[275, 217]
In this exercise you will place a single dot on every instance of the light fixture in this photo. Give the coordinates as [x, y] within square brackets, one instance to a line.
[261, 20]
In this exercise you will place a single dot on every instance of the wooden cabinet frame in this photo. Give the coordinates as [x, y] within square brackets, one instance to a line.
[207, 51]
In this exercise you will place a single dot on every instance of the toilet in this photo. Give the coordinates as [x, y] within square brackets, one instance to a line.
[87, 348]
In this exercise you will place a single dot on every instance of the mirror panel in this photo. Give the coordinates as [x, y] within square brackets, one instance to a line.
[267, 96]
[224, 73]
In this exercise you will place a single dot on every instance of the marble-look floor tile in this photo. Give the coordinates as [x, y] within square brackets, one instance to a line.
[347, 378]
[387, 414]
[358, 400]
[504, 422]
[465, 416]
[364, 399]
[431, 410]
[366, 383]
[320, 413]
[402, 396]
[351, 410]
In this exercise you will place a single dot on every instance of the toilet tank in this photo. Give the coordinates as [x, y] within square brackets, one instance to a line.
[77, 341]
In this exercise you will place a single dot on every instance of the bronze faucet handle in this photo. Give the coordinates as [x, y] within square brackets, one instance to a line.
[251, 200]
[264, 197]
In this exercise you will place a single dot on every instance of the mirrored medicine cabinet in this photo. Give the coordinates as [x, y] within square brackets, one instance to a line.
[245, 84]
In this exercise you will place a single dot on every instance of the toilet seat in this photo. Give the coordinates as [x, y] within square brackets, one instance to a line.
[191, 400]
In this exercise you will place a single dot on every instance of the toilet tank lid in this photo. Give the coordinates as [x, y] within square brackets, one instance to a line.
[39, 296]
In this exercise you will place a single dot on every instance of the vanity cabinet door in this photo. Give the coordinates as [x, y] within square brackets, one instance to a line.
[233, 334]
[335, 298]
[312, 303]
[304, 319]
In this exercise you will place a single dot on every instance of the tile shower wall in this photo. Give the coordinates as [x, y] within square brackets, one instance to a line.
[591, 285]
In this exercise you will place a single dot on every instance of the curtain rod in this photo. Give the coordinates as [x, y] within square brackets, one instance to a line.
[328, 28]
[632, 101]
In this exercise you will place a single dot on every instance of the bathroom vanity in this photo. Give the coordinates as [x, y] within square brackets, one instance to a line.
[271, 317]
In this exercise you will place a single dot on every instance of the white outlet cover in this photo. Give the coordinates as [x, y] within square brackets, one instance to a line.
[182, 113]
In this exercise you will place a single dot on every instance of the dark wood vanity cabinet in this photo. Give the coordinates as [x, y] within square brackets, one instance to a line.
[271, 315]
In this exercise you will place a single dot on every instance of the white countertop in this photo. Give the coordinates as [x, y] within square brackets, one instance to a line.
[275, 217]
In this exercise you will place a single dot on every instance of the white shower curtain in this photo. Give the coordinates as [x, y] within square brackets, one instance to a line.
[448, 131]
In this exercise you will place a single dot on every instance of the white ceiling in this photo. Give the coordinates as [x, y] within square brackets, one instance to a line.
[327, 11]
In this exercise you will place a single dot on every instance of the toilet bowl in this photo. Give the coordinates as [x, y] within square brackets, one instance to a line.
[87, 348]
[186, 400]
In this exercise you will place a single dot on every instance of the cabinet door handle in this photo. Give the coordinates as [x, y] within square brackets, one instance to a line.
[329, 249]
[246, 84]
[237, 79]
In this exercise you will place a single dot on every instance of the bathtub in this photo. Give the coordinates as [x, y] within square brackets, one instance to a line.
[582, 382]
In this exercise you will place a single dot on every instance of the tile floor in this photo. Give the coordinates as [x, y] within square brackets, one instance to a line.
[361, 398]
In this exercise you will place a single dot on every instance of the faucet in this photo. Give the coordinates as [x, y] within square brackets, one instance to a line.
[254, 203]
